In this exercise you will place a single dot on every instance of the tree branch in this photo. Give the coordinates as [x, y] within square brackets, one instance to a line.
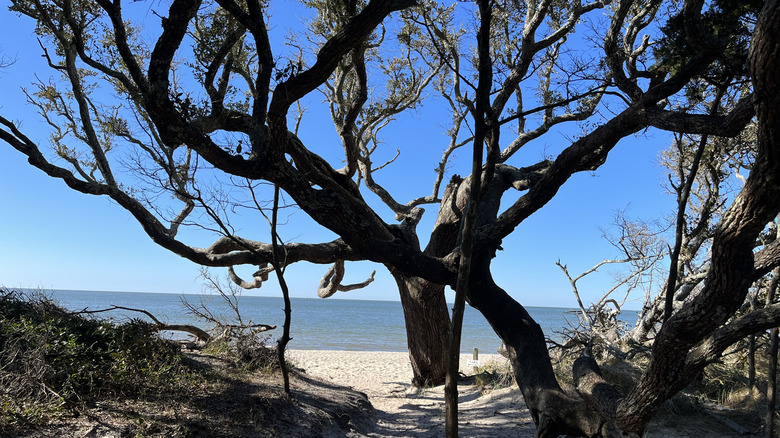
[729, 125]
[331, 281]
[199, 333]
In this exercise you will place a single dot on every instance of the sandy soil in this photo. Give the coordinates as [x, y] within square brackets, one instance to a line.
[404, 412]
[341, 394]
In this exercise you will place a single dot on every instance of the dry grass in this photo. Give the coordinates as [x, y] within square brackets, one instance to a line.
[495, 374]
[231, 403]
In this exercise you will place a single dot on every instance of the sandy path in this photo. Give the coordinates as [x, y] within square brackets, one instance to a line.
[404, 412]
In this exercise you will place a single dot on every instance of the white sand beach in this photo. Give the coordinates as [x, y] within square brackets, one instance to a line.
[403, 412]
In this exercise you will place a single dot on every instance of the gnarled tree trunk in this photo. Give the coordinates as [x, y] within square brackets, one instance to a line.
[427, 327]
[425, 307]
[554, 412]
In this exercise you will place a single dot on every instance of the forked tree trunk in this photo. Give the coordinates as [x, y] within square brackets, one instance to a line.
[425, 308]
[554, 412]
[427, 322]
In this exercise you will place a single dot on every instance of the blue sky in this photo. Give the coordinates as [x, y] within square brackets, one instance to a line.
[55, 238]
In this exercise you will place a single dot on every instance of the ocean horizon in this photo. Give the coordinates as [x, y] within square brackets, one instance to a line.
[317, 324]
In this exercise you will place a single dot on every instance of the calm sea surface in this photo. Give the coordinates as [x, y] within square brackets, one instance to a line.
[317, 324]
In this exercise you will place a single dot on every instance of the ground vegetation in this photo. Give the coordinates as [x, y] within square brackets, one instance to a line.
[66, 374]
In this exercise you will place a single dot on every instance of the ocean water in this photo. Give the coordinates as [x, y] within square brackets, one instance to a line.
[317, 324]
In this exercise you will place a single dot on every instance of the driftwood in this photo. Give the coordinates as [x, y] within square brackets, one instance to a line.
[198, 332]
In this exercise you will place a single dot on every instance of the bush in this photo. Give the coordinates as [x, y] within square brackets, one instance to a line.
[51, 358]
[245, 349]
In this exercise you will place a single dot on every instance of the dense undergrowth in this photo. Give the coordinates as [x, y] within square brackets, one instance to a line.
[52, 360]
[66, 374]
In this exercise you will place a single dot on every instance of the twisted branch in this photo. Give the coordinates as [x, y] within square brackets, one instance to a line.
[331, 281]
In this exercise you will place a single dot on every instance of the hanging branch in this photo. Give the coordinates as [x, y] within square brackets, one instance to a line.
[331, 281]
[258, 277]
[230, 295]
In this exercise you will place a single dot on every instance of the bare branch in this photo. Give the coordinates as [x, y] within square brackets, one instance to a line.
[257, 278]
[585, 317]
[331, 281]
[729, 125]
[199, 333]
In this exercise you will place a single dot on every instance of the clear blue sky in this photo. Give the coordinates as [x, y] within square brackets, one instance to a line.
[55, 238]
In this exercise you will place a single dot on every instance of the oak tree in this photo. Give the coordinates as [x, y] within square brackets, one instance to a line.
[211, 98]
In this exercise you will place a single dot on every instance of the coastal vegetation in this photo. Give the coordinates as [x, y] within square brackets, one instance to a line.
[208, 121]
[64, 373]
[52, 361]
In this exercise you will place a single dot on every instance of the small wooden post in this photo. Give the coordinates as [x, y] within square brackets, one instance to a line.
[475, 356]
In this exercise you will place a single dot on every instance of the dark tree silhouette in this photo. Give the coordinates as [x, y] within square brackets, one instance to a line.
[236, 116]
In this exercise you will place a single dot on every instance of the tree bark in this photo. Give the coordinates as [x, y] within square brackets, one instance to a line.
[482, 130]
[427, 322]
[425, 308]
[554, 412]
[771, 389]
[732, 266]
[752, 361]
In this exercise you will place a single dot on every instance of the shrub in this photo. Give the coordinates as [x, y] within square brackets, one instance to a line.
[50, 358]
[245, 349]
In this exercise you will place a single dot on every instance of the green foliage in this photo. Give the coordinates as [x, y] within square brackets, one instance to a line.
[245, 351]
[51, 358]
[728, 23]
